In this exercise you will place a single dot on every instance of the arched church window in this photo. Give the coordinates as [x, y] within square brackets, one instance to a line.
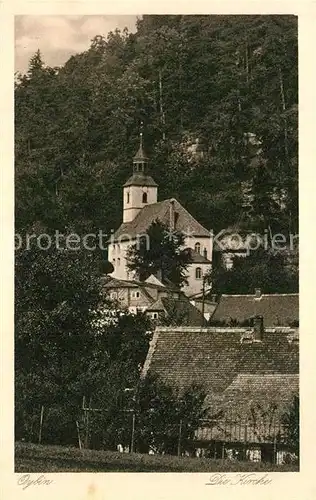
[144, 197]
[197, 247]
[205, 253]
[198, 273]
[127, 198]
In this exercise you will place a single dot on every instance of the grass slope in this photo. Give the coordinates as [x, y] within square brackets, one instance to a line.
[36, 458]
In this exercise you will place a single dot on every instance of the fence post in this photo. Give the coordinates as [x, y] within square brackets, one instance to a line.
[223, 450]
[274, 450]
[87, 424]
[41, 425]
[133, 432]
[245, 441]
[179, 438]
[78, 431]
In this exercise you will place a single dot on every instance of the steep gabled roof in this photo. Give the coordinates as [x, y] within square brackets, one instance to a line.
[179, 310]
[276, 309]
[183, 312]
[157, 306]
[161, 211]
[214, 357]
[249, 389]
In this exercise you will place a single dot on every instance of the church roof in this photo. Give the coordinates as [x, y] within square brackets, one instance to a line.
[185, 223]
[140, 179]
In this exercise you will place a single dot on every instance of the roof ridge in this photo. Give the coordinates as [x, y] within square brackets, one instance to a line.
[150, 353]
[262, 295]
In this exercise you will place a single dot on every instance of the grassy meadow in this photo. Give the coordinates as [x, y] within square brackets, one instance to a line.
[41, 458]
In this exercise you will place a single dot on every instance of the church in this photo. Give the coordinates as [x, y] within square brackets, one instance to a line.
[140, 209]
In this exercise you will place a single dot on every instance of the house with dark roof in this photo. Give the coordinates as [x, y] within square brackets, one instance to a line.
[162, 303]
[141, 208]
[249, 375]
[279, 309]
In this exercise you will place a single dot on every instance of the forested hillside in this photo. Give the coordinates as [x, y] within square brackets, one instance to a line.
[228, 82]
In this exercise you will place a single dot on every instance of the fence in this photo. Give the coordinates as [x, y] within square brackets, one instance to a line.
[264, 439]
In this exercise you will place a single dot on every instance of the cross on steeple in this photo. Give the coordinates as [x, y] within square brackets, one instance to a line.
[140, 159]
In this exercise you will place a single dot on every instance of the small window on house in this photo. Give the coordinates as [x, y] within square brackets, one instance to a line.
[197, 247]
[135, 295]
[144, 197]
[127, 198]
[155, 315]
[113, 295]
[198, 273]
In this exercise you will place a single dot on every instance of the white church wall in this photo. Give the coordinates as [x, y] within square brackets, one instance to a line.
[117, 256]
[195, 284]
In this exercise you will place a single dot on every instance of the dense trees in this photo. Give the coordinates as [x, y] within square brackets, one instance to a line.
[270, 271]
[291, 420]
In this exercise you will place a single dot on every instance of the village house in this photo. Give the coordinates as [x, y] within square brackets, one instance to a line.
[140, 209]
[161, 302]
[278, 309]
[250, 374]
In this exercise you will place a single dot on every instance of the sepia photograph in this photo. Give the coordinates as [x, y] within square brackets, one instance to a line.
[156, 244]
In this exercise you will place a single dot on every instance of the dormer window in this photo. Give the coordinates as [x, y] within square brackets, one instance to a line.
[197, 247]
[144, 197]
[247, 337]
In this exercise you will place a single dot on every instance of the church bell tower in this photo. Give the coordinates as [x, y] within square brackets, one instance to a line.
[140, 189]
